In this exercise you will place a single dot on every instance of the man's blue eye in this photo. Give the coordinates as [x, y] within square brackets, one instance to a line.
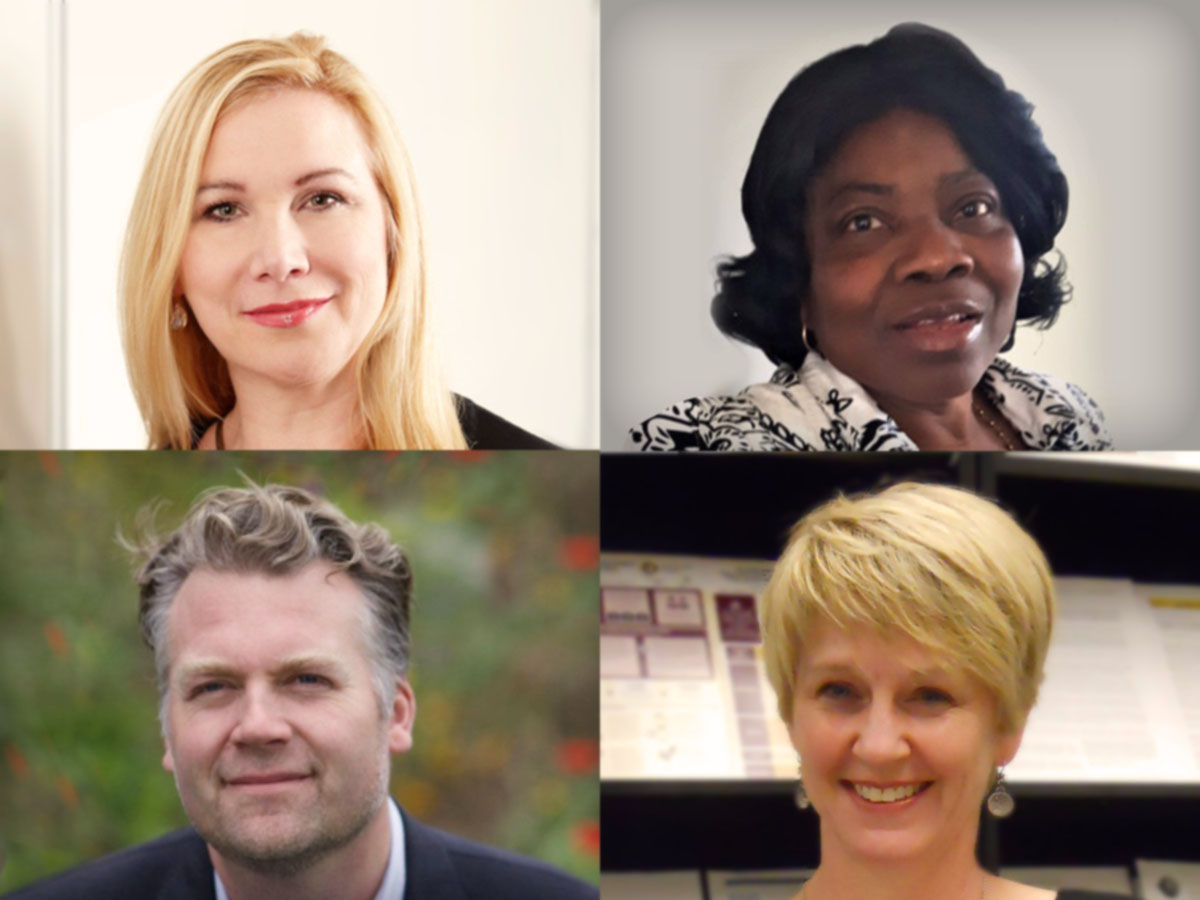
[208, 687]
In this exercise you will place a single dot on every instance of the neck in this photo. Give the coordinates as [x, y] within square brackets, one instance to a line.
[268, 416]
[951, 874]
[352, 872]
[941, 425]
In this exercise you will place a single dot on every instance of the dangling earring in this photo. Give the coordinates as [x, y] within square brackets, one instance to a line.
[801, 795]
[1000, 802]
[179, 317]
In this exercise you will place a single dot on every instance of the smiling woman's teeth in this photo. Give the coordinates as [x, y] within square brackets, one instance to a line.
[886, 795]
[956, 317]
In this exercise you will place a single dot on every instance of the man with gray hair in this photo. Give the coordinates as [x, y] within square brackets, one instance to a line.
[280, 633]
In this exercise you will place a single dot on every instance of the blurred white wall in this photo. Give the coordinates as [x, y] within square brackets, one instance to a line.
[496, 102]
[686, 85]
[26, 316]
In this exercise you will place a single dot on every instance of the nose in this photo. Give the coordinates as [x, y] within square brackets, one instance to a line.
[881, 738]
[260, 721]
[280, 251]
[933, 253]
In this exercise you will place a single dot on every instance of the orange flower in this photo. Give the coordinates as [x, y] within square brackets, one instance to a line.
[55, 638]
[16, 761]
[587, 837]
[580, 552]
[66, 790]
[472, 456]
[578, 756]
[51, 464]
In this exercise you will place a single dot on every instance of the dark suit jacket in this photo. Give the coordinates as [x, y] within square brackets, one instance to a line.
[439, 867]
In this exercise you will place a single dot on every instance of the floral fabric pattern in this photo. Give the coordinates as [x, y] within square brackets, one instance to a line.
[819, 408]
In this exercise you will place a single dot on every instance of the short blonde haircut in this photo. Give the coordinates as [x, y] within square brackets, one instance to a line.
[945, 567]
[178, 377]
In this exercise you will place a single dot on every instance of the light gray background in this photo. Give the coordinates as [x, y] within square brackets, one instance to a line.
[686, 84]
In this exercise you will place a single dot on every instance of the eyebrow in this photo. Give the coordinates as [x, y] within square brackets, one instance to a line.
[878, 189]
[198, 669]
[299, 182]
[834, 669]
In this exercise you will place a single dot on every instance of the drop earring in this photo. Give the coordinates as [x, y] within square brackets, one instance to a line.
[1000, 802]
[801, 795]
[179, 316]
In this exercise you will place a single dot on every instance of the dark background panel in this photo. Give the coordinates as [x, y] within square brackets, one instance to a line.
[1137, 521]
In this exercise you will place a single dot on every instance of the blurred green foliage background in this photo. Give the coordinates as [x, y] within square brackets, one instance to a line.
[504, 549]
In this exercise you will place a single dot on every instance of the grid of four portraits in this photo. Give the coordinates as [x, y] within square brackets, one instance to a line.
[407, 632]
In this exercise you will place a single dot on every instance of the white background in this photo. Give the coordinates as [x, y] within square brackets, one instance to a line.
[497, 105]
[25, 316]
[686, 85]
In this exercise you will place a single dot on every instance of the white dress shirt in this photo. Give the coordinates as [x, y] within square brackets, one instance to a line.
[392, 887]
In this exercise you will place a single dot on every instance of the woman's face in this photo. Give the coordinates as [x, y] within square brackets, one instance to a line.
[897, 746]
[915, 266]
[285, 265]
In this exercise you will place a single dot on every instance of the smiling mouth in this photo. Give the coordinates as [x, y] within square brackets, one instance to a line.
[894, 794]
[267, 779]
[935, 321]
[285, 315]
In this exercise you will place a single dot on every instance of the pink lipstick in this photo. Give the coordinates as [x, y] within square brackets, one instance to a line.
[286, 315]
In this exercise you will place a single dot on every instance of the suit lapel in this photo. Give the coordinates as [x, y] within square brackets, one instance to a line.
[191, 878]
[429, 871]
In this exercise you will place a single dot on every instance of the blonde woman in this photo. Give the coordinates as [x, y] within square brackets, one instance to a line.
[905, 633]
[273, 276]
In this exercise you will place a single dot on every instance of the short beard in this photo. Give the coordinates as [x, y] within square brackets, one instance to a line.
[288, 860]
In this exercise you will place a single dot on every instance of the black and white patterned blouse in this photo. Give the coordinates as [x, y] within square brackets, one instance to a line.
[819, 408]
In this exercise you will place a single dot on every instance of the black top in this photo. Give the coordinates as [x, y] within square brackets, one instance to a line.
[484, 430]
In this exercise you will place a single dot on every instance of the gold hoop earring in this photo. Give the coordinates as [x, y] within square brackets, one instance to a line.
[809, 345]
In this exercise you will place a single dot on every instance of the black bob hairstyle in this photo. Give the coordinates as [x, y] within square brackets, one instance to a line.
[759, 296]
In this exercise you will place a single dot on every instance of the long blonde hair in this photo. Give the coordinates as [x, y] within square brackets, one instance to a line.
[178, 377]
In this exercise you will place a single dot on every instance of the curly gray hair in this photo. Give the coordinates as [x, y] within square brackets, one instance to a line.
[277, 530]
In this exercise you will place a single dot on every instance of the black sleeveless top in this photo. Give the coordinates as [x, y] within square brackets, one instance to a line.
[484, 430]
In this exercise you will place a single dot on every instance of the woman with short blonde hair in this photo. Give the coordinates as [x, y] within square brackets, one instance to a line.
[905, 633]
